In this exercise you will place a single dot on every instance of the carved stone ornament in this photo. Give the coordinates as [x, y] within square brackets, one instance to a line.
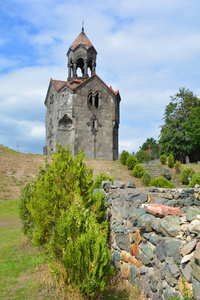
[94, 124]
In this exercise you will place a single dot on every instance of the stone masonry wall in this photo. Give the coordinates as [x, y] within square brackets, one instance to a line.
[155, 237]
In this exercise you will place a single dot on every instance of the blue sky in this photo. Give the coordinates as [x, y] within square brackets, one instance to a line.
[147, 49]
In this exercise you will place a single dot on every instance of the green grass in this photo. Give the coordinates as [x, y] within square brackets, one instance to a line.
[18, 259]
[7, 150]
[24, 272]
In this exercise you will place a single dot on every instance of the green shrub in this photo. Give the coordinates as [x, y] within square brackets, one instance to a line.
[60, 213]
[101, 177]
[161, 182]
[142, 156]
[123, 157]
[146, 178]
[131, 162]
[195, 180]
[138, 171]
[170, 161]
[185, 174]
[177, 167]
[163, 159]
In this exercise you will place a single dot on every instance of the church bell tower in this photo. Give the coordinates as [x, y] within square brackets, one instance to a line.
[82, 57]
[82, 111]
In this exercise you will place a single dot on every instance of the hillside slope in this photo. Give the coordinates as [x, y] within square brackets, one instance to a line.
[17, 168]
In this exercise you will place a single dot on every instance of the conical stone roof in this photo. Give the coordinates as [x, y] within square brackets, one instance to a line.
[81, 39]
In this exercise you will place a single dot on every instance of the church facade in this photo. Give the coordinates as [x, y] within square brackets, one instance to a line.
[83, 111]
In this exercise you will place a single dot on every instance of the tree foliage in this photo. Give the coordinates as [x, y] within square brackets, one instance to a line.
[170, 161]
[142, 156]
[124, 156]
[61, 214]
[185, 174]
[161, 182]
[180, 134]
[138, 171]
[163, 159]
[131, 162]
[153, 145]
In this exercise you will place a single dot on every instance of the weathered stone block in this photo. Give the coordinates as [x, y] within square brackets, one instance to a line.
[122, 241]
[169, 226]
[196, 288]
[137, 213]
[161, 250]
[148, 250]
[131, 184]
[170, 278]
[145, 221]
[192, 213]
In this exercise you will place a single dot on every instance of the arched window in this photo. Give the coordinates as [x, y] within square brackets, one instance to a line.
[90, 99]
[96, 102]
[93, 99]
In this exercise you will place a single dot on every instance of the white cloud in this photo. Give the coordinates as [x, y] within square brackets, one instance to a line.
[147, 50]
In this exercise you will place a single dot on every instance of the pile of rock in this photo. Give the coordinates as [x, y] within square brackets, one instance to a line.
[153, 242]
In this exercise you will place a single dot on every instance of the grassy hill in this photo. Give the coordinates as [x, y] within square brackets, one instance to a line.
[24, 272]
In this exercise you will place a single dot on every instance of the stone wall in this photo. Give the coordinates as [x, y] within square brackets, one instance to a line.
[155, 237]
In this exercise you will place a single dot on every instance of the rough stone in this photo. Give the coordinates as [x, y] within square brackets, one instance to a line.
[125, 255]
[188, 201]
[196, 288]
[192, 213]
[136, 215]
[195, 269]
[173, 267]
[122, 241]
[168, 293]
[138, 238]
[153, 239]
[145, 221]
[170, 278]
[116, 255]
[131, 184]
[132, 276]
[194, 226]
[169, 225]
[134, 250]
[173, 249]
[186, 270]
[131, 196]
[148, 250]
[119, 228]
[161, 250]
[187, 258]
[119, 184]
[160, 210]
[144, 287]
[145, 260]
[188, 247]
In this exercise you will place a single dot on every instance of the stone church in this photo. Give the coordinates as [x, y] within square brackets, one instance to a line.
[82, 111]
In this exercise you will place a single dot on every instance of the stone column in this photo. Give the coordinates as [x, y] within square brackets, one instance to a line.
[85, 75]
[74, 70]
[93, 67]
[69, 71]
[93, 100]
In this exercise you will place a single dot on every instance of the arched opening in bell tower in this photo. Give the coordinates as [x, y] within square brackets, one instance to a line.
[80, 67]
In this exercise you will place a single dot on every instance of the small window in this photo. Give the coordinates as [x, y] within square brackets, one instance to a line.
[90, 100]
[97, 100]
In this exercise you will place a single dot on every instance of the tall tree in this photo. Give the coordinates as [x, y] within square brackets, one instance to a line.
[151, 144]
[180, 134]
